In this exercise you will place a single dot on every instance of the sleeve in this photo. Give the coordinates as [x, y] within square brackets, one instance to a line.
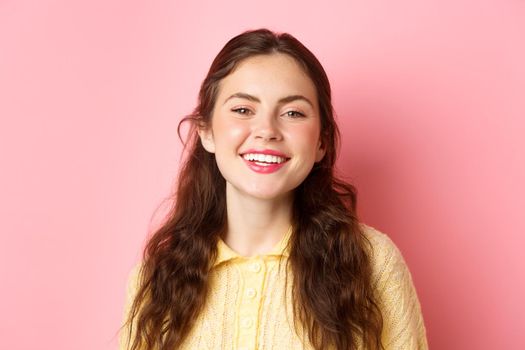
[131, 290]
[403, 325]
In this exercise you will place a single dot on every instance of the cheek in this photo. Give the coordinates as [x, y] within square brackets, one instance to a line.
[229, 134]
[307, 136]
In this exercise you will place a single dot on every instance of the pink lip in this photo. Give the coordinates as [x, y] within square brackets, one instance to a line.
[270, 152]
[265, 169]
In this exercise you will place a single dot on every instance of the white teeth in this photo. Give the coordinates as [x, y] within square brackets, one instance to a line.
[263, 158]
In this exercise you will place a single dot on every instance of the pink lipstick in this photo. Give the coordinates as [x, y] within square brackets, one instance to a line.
[265, 161]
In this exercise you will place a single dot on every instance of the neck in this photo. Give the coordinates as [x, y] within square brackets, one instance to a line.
[255, 226]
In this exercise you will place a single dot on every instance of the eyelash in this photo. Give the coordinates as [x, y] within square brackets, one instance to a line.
[297, 114]
[245, 111]
[239, 109]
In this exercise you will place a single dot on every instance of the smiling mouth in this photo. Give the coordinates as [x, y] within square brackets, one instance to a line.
[264, 159]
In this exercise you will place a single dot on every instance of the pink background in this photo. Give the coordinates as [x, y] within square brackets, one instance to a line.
[430, 98]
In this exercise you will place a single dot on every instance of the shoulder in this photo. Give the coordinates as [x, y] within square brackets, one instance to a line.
[127, 332]
[133, 280]
[377, 238]
[403, 321]
[385, 256]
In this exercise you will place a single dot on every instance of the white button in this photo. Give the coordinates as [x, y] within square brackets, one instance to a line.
[247, 323]
[255, 267]
[251, 293]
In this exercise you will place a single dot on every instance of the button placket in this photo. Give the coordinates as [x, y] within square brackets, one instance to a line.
[255, 267]
[253, 273]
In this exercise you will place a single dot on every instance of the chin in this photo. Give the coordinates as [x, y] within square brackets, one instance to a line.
[261, 193]
[270, 194]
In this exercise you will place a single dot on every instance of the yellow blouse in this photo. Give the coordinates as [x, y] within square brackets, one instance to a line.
[250, 308]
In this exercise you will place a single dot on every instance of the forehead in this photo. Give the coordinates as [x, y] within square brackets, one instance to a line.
[268, 76]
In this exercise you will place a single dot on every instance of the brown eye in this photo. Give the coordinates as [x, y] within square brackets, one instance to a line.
[294, 114]
[241, 110]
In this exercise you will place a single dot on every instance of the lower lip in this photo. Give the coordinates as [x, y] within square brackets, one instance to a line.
[264, 169]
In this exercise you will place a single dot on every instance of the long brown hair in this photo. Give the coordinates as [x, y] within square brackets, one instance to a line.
[329, 255]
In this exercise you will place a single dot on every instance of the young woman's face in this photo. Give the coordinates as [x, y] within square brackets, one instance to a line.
[265, 127]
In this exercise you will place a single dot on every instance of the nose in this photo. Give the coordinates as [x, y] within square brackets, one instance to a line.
[267, 128]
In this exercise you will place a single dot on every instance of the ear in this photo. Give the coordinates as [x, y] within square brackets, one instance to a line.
[321, 151]
[206, 136]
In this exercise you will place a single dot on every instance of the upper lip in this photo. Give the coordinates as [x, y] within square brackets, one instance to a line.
[270, 152]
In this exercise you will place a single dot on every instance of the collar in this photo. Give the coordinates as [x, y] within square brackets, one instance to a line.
[225, 253]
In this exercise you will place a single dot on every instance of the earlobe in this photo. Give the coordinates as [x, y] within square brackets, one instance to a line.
[206, 136]
[321, 151]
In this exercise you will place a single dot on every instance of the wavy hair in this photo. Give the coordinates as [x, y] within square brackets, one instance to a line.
[333, 297]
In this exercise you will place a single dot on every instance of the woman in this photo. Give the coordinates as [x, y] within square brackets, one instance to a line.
[263, 249]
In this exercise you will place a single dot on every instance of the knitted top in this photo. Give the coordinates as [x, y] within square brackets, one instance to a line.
[247, 307]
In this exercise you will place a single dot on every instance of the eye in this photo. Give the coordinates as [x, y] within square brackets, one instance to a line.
[241, 110]
[294, 114]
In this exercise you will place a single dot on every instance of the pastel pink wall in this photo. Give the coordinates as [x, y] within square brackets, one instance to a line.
[430, 98]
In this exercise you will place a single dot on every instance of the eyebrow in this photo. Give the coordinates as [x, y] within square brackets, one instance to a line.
[286, 99]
